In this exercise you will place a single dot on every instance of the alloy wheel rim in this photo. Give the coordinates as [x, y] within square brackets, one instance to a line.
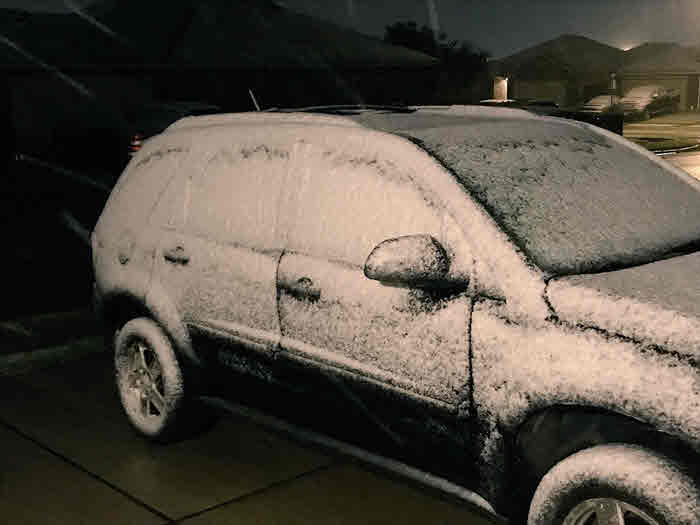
[608, 511]
[144, 385]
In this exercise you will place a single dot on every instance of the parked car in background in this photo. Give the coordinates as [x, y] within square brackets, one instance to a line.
[601, 104]
[512, 291]
[644, 102]
[610, 120]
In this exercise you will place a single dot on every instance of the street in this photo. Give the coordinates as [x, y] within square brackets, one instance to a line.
[688, 162]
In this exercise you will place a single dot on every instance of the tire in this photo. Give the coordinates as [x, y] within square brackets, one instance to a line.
[149, 380]
[632, 484]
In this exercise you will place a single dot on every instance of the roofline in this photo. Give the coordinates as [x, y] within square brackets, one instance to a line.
[656, 73]
[29, 68]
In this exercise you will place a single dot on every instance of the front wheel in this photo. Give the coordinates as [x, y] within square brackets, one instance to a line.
[615, 484]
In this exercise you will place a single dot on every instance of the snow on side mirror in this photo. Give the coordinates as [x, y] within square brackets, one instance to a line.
[413, 260]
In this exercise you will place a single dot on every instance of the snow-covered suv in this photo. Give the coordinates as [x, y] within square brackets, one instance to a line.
[519, 291]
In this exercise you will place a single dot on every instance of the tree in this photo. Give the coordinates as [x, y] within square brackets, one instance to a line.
[451, 53]
[462, 74]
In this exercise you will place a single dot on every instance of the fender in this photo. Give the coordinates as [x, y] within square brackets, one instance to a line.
[128, 298]
[163, 310]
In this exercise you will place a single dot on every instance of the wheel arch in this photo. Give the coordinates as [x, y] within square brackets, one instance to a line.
[551, 434]
[120, 304]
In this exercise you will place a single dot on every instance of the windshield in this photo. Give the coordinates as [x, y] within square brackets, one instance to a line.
[573, 200]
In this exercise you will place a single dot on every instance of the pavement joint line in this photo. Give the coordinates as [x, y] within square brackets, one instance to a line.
[78, 466]
[259, 491]
[404, 471]
[22, 362]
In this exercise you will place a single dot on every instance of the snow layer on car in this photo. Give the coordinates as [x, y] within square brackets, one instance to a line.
[657, 303]
[260, 118]
[575, 200]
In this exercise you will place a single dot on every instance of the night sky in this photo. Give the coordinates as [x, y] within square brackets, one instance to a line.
[504, 27]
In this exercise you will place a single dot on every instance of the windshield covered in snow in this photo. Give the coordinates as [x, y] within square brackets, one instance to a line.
[574, 201]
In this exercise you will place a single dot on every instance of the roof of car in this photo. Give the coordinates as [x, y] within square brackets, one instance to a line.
[384, 118]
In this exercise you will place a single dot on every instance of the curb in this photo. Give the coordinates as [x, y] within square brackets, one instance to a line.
[676, 150]
[22, 362]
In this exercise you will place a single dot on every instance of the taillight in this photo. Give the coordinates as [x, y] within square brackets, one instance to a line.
[135, 144]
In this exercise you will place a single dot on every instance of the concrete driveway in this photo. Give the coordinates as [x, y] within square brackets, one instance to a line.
[70, 457]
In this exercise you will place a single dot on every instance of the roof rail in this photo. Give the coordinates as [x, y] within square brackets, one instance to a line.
[261, 117]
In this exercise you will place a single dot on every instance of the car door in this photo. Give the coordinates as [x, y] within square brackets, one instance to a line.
[409, 340]
[220, 249]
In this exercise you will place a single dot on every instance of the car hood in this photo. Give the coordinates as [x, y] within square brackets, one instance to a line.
[656, 304]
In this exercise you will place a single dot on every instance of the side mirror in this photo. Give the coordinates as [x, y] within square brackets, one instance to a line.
[412, 260]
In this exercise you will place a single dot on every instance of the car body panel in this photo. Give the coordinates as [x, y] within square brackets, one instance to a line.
[520, 369]
[400, 336]
[656, 303]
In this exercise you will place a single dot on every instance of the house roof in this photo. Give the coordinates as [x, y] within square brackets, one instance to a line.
[564, 56]
[663, 58]
[267, 35]
[58, 39]
[218, 33]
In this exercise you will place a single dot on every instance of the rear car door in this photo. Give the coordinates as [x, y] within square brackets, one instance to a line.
[220, 249]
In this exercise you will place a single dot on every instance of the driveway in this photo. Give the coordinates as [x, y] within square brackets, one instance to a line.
[70, 457]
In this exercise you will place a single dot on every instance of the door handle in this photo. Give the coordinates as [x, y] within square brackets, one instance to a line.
[302, 288]
[176, 255]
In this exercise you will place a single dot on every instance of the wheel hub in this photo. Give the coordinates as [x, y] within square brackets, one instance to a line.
[607, 511]
[145, 381]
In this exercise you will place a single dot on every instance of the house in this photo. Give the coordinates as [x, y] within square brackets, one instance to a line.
[670, 65]
[70, 74]
[567, 70]
[221, 49]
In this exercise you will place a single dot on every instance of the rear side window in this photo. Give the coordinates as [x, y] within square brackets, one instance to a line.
[233, 197]
[134, 198]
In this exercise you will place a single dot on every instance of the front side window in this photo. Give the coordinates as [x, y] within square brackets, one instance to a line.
[347, 205]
